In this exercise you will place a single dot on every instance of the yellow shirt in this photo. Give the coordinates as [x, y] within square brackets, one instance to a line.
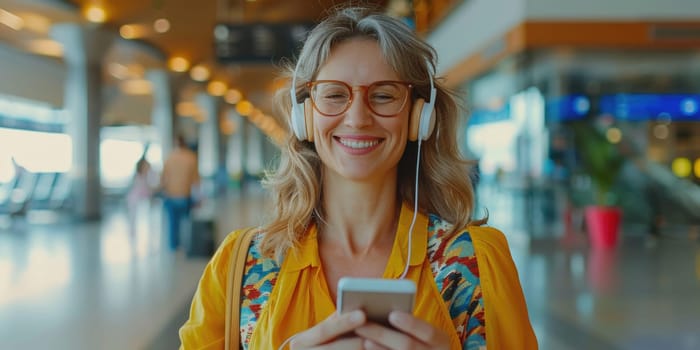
[300, 298]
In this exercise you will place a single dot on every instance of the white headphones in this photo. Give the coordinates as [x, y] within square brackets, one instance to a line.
[420, 126]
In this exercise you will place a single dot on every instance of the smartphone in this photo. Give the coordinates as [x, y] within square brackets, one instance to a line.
[377, 297]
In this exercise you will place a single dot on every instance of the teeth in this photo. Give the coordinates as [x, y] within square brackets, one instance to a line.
[359, 144]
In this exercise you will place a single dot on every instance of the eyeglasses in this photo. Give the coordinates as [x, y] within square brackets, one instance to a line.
[384, 98]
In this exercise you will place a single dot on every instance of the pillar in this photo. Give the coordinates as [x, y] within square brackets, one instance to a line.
[84, 47]
[163, 115]
[209, 140]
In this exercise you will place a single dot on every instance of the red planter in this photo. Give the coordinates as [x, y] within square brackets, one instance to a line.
[603, 224]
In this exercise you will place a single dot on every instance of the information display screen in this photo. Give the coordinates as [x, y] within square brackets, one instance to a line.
[567, 107]
[639, 107]
[258, 42]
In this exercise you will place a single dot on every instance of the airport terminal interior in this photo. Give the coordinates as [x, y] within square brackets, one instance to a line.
[582, 120]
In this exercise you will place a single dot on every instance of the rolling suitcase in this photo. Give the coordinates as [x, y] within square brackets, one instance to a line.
[201, 240]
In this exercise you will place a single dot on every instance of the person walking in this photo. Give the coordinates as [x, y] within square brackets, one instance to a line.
[140, 192]
[180, 174]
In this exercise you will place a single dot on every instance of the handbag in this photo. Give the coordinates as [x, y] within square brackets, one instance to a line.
[236, 269]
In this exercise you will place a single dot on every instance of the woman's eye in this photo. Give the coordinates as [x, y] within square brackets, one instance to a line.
[383, 97]
[335, 96]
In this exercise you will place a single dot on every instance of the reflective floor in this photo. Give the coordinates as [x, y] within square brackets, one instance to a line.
[95, 286]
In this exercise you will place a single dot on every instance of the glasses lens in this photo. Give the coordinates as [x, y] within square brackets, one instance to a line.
[387, 98]
[330, 98]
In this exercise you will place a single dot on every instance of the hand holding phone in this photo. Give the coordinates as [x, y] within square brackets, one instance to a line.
[377, 297]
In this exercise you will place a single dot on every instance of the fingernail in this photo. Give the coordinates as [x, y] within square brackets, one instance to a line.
[357, 316]
[397, 317]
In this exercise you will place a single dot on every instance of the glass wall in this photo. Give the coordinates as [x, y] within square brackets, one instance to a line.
[535, 115]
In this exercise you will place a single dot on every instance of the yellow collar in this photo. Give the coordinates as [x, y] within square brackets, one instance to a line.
[306, 254]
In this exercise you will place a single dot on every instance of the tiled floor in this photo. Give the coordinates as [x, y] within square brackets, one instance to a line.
[89, 286]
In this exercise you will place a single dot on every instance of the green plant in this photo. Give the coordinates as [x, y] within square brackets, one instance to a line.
[601, 160]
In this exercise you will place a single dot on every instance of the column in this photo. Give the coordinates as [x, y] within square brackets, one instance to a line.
[236, 147]
[254, 146]
[84, 48]
[208, 140]
[163, 116]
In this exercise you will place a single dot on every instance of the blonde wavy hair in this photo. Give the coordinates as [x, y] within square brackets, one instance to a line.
[444, 183]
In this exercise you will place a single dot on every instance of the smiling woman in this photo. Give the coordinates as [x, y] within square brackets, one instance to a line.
[370, 185]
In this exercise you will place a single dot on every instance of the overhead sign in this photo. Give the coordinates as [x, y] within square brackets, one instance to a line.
[567, 107]
[258, 42]
[638, 107]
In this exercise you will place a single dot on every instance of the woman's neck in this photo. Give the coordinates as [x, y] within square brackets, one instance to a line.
[359, 216]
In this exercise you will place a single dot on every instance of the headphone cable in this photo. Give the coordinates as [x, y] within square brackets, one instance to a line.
[415, 214]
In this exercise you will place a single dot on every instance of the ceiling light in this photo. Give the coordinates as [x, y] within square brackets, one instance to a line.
[161, 25]
[11, 20]
[244, 108]
[133, 31]
[217, 88]
[178, 64]
[187, 109]
[45, 47]
[200, 73]
[255, 115]
[128, 31]
[95, 14]
[136, 87]
[233, 96]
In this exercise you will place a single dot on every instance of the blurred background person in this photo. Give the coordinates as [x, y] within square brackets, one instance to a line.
[180, 174]
[139, 196]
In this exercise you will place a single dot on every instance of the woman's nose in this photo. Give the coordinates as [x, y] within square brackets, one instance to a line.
[358, 114]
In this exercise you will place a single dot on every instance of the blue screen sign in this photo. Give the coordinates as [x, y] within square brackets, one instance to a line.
[567, 107]
[639, 107]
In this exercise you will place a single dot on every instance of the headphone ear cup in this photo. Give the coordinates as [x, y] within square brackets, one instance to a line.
[414, 119]
[309, 119]
[425, 129]
[297, 120]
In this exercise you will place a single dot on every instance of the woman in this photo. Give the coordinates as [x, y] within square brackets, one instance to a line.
[344, 195]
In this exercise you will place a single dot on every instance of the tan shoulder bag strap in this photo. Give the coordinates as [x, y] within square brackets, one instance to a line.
[236, 269]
